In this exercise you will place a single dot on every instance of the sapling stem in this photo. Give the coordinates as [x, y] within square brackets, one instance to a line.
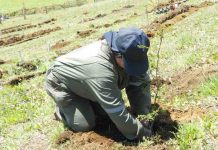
[157, 68]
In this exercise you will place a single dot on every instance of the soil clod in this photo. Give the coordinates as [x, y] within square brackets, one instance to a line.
[60, 44]
[65, 136]
[163, 124]
[160, 81]
[27, 65]
[86, 33]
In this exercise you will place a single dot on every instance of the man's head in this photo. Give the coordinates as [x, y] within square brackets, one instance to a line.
[132, 43]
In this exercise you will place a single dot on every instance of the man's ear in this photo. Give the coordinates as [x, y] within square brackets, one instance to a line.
[120, 62]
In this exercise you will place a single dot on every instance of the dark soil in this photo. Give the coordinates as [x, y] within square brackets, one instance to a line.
[85, 33]
[60, 44]
[173, 17]
[163, 124]
[23, 38]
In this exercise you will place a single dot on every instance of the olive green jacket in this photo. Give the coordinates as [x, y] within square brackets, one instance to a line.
[92, 73]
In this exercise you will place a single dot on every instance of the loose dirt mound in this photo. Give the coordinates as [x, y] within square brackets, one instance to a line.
[91, 19]
[103, 137]
[60, 44]
[30, 66]
[125, 7]
[168, 4]
[89, 140]
[188, 114]
[173, 17]
[25, 26]
[23, 38]
[106, 135]
[186, 81]
[160, 81]
[163, 125]
[47, 21]
[110, 24]
[86, 33]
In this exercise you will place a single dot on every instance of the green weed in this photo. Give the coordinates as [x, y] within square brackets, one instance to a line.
[209, 88]
[190, 136]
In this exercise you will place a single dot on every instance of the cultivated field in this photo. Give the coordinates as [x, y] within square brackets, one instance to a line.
[185, 108]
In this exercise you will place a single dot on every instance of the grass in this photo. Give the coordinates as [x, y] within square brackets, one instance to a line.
[201, 134]
[190, 136]
[26, 109]
[204, 95]
[188, 42]
[209, 88]
[14, 5]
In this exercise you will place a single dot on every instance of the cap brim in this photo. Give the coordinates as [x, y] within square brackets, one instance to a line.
[111, 38]
[136, 68]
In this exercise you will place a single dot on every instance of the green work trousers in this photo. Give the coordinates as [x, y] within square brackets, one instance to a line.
[77, 113]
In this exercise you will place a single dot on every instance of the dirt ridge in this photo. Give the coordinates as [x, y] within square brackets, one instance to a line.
[173, 17]
[23, 38]
[25, 26]
[185, 81]
[18, 79]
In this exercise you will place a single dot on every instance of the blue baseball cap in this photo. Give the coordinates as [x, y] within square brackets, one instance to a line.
[133, 44]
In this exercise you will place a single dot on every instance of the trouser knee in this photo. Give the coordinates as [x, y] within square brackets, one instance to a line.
[81, 126]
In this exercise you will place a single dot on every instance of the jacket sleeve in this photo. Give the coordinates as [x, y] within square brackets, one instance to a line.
[108, 95]
[138, 93]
